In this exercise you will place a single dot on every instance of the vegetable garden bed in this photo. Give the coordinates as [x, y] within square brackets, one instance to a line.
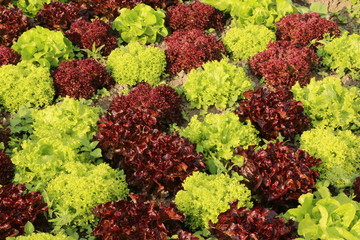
[163, 119]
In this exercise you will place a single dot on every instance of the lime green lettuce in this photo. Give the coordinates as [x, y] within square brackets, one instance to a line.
[31, 7]
[322, 216]
[141, 24]
[44, 47]
[339, 152]
[259, 12]
[217, 136]
[329, 104]
[73, 194]
[342, 55]
[206, 196]
[41, 236]
[216, 83]
[135, 63]
[243, 43]
[25, 84]
[61, 133]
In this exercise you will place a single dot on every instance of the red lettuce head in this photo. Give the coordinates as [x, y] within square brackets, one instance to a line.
[283, 63]
[257, 223]
[80, 78]
[12, 24]
[278, 174]
[85, 34]
[274, 112]
[160, 3]
[189, 49]
[8, 56]
[196, 15]
[17, 208]
[302, 28]
[59, 15]
[7, 169]
[137, 219]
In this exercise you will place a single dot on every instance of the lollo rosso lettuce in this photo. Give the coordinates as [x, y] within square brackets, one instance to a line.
[8, 56]
[216, 83]
[137, 219]
[243, 43]
[135, 63]
[206, 196]
[7, 169]
[273, 112]
[189, 49]
[195, 15]
[88, 35]
[339, 152]
[12, 24]
[80, 78]
[284, 63]
[277, 174]
[25, 84]
[44, 47]
[141, 24]
[17, 208]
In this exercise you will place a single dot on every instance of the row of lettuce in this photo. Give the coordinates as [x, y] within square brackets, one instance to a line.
[270, 150]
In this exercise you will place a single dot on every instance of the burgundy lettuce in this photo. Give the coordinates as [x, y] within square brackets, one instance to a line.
[277, 174]
[80, 78]
[8, 56]
[257, 223]
[274, 112]
[85, 34]
[17, 208]
[12, 24]
[59, 15]
[189, 49]
[183, 235]
[137, 219]
[160, 3]
[7, 169]
[283, 63]
[302, 28]
[196, 15]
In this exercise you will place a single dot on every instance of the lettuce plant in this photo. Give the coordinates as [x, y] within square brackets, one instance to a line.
[243, 43]
[12, 24]
[267, 173]
[283, 64]
[189, 49]
[329, 104]
[195, 15]
[4, 135]
[42, 236]
[79, 188]
[273, 112]
[303, 28]
[216, 83]
[258, 222]
[58, 15]
[137, 219]
[259, 12]
[18, 207]
[356, 187]
[206, 196]
[7, 168]
[8, 56]
[141, 24]
[322, 216]
[90, 35]
[25, 84]
[80, 78]
[44, 47]
[31, 7]
[217, 136]
[339, 152]
[135, 63]
[342, 55]
[164, 4]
